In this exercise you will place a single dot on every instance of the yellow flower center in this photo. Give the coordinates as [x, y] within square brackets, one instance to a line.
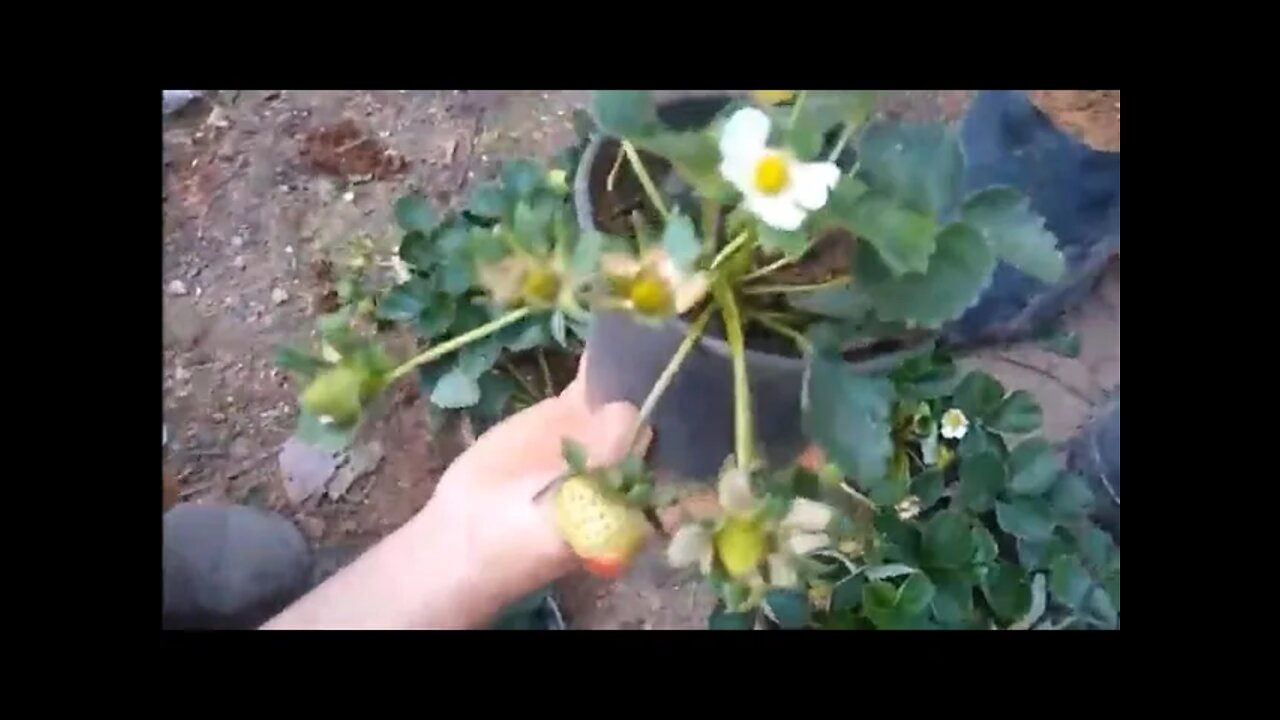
[540, 286]
[772, 97]
[650, 295]
[740, 544]
[771, 174]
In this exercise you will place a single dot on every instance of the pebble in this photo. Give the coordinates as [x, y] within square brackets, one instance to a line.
[177, 287]
[279, 296]
[239, 262]
[237, 241]
[218, 417]
[349, 196]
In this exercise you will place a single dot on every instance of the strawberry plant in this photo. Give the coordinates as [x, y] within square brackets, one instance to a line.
[797, 244]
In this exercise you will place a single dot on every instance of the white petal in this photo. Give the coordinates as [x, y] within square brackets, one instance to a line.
[808, 515]
[812, 182]
[782, 572]
[691, 544]
[735, 493]
[745, 133]
[805, 543]
[691, 291]
[779, 211]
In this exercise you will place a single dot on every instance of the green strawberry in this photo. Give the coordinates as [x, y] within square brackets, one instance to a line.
[598, 524]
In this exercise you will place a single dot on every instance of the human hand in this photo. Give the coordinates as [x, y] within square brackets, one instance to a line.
[487, 509]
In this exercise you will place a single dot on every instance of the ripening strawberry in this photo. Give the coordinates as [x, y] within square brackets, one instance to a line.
[600, 527]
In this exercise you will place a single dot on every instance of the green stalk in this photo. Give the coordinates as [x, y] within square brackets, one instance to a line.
[849, 129]
[513, 372]
[669, 372]
[437, 351]
[800, 340]
[650, 189]
[761, 272]
[768, 289]
[742, 427]
[546, 373]
[729, 249]
[795, 109]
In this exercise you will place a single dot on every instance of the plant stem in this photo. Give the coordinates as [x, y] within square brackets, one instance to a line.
[761, 272]
[849, 129]
[767, 289]
[795, 109]
[800, 340]
[728, 250]
[448, 346]
[742, 428]
[512, 371]
[613, 172]
[710, 223]
[650, 189]
[669, 372]
[546, 373]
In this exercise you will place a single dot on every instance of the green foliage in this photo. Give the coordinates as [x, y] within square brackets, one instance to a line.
[1033, 467]
[959, 269]
[415, 213]
[1019, 413]
[948, 540]
[680, 241]
[982, 477]
[1016, 233]
[789, 608]
[847, 414]
[624, 113]
[919, 166]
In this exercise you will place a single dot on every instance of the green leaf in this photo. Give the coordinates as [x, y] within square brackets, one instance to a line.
[558, 328]
[457, 276]
[574, 454]
[680, 241]
[586, 254]
[533, 224]
[823, 109]
[406, 300]
[847, 594]
[1096, 546]
[695, 157]
[1019, 413]
[496, 390]
[1063, 342]
[1008, 591]
[720, 619]
[915, 595]
[526, 334]
[879, 601]
[901, 540]
[846, 303]
[298, 361]
[790, 608]
[959, 269]
[520, 178]
[792, 244]
[413, 212]
[848, 416]
[1099, 608]
[1040, 555]
[468, 317]
[985, 550]
[478, 358]
[1026, 519]
[436, 315]
[624, 113]
[417, 250]
[1016, 233]
[1071, 497]
[904, 240]
[947, 540]
[456, 390]
[978, 394]
[1069, 581]
[488, 201]
[982, 477]
[1033, 466]
[1112, 586]
[330, 438]
[928, 487]
[953, 601]
[920, 165]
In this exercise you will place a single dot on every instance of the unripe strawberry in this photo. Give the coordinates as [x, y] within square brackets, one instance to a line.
[740, 544]
[600, 527]
[335, 394]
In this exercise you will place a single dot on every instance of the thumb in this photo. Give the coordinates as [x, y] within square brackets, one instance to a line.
[606, 433]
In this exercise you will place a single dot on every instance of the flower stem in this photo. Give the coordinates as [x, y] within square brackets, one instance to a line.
[650, 189]
[761, 272]
[742, 428]
[849, 129]
[767, 289]
[669, 372]
[729, 249]
[800, 340]
[448, 346]
[795, 109]
[613, 172]
[514, 372]
[546, 373]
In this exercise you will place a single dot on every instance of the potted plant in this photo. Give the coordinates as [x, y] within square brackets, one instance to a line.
[789, 261]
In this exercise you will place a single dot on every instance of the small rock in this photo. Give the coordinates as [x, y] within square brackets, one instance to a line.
[241, 448]
[237, 241]
[218, 417]
[288, 249]
[239, 262]
[177, 288]
[181, 374]
[306, 469]
[279, 296]
[349, 196]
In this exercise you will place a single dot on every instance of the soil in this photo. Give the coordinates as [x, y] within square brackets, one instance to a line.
[261, 188]
[1092, 116]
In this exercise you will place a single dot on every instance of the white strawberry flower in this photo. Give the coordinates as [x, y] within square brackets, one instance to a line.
[776, 187]
[954, 424]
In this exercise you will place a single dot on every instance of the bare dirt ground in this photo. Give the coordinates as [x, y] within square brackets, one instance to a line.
[259, 186]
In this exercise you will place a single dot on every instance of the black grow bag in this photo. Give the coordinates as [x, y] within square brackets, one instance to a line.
[693, 421]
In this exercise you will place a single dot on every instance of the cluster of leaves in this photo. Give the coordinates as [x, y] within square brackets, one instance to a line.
[989, 531]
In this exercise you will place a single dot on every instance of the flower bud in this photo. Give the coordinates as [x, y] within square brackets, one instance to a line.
[740, 544]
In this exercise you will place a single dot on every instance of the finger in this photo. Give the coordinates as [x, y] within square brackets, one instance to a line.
[608, 433]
